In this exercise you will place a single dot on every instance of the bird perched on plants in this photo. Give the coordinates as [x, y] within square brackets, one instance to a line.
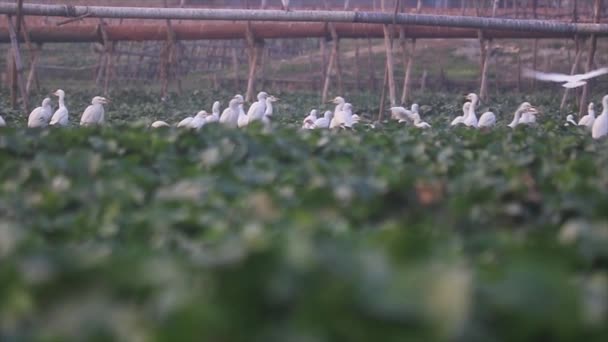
[600, 126]
[95, 113]
[60, 117]
[40, 116]
[588, 119]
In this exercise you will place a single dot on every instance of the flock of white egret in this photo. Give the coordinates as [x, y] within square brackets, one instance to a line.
[342, 117]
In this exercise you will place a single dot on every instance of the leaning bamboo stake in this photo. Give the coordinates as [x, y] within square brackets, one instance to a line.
[577, 57]
[370, 65]
[253, 62]
[330, 67]
[597, 12]
[336, 47]
[18, 65]
[383, 96]
[31, 77]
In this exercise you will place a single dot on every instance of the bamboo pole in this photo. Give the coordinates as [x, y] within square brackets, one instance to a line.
[18, 68]
[597, 10]
[370, 64]
[305, 16]
[330, 67]
[336, 46]
[33, 54]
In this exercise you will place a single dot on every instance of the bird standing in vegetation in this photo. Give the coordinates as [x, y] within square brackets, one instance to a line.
[460, 119]
[336, 119]
[40, 116]
[185, 122]
[309, 121]
[600, 126]
[230, 115]
[60, 117]
[324, 121]
[486, 120]
[95, 113]
[269, 111]
[588, 119]
[523, 109]
[215, 113]
[257, 109]
[471, 119]
[199, 120]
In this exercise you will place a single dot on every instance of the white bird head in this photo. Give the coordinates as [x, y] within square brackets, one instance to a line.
[59, 93]
[262, 96]
[415, 108]
[314, 113]
[472, 97]
[216, 107]
[99, 100]
[328, 114]
[570, 117]
[591, 107]
[239, 97]
[202, 114]
[526, 106]
[46, 102]
[234, 103]
[338, 100]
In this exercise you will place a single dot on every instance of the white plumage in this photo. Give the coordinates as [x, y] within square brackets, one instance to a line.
[460, 119]
[215, 113]
[199, 120]
[523, 109]
[2, 122]
[40, 116]
[600, 126]
[60, 117]
[570, 120]
[257, 109]
[309, 121]
[405, 115]
[337, 119]
[95, 113]
[230, 115]
[185, 123]
[471, 119]
[266, 119]
[486, 120]
[421, 124]
[588, 119]
[324, 121]
[158, 124]
[569, 81]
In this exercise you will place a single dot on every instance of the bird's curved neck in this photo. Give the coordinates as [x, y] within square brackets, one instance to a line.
[268, 108]
[516, 118]
[605, 105]
[62, 101]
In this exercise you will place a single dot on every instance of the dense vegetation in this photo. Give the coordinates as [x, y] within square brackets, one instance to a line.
[388, 234]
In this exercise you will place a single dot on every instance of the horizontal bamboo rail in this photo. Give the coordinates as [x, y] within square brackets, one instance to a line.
[264, 30]
[307, 16]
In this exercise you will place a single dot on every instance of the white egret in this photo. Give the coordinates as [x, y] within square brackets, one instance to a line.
[324, 121]
[337, 119]
[405, 115]
[600, 126]
[347, 116]
[230, 115]
[269, 110]
[199, 120]
[215, 113]
[421, 124]
[460, 119]
[588, 119]
[257, 109]
[471, 119]
[570, 120]
[2, 122]
[523, 108]
[528, 117]
[60, 117]
[40, 116]
[95, 113]
[569, 81]
[309, 121]
[486, 120]
[185, 123]
[356, 118]
[158, 124]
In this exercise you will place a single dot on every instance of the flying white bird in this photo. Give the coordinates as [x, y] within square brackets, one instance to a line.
[94, 114]
[158, 124]
[230, 115]
[215, 113]
[600, 126]
[588, 119]
[40, 116]
[309, 121]
[569, 81]
[60, 117]
[324, 121]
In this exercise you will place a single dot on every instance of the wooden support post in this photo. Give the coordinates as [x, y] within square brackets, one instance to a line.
[370, 65]
[597, 10]
[32, 76]
[357, 65]
[330, 66]
[383, 96]
[253, 62]
[389, 64]
[108, 53]
[336, 54]
[573, 69]
[17, 75]
[405, 96]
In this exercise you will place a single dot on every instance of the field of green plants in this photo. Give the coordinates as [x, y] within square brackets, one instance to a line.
[124, 233]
